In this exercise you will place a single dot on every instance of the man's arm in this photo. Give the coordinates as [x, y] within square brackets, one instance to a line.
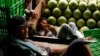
[52, 29]
[36, 14]
[54, 48]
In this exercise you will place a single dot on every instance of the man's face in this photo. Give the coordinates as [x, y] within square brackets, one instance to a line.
[43, 24]
[23, 32]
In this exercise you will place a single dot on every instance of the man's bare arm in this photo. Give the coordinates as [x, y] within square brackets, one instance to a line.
[36, 14]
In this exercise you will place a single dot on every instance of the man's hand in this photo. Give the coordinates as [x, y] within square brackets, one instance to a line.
[43, 3]
[52, 29]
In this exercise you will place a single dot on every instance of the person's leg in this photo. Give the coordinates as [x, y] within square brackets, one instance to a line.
[75, 30]
[77, 48]
[66, 32]
[73, 26]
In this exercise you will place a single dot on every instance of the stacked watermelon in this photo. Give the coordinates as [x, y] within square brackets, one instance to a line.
[85, 13]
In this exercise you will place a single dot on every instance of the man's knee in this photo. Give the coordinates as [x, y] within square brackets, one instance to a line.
[64, 27]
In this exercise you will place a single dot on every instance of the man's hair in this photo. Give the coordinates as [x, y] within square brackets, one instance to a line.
[14, 22]
[38, 23]
[42, 18]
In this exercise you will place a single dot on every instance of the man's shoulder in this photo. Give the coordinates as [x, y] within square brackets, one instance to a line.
[15, 46]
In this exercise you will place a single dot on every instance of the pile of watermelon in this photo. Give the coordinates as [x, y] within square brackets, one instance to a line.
[85, 13]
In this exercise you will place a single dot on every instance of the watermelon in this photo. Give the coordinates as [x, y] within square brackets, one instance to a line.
[73, 4]
[62, 4]
[61, 20]
[80, 23]
[52, 4]
[92, 6]
[91, 23]
[96, 15]
[82, 6]
[46, 12]
[67, 13]
[77, 13]
[87, 14]
[51, 20]
[98, 5]
[56, 12]
[84, 28]
[98, 23]
[72, 19]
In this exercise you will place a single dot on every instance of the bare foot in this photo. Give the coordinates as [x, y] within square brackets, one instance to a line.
[90, 39]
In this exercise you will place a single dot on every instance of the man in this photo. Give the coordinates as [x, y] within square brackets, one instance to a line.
[62, 32]
[18, 44]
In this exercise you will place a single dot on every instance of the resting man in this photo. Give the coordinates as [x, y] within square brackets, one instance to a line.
[18, 44]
